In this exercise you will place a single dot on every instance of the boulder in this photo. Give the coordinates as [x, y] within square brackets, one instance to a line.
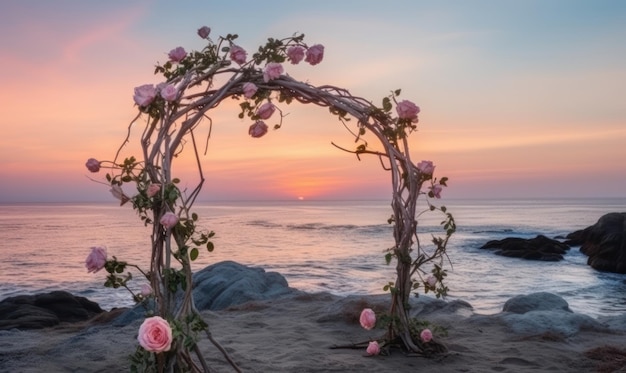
[222, 285]
[536, 302]
[538, 248]
[604, 243]
[228, 283]
[45, 310]
[545, 314]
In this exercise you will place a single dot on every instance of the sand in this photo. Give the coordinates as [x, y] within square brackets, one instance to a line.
[296, 333]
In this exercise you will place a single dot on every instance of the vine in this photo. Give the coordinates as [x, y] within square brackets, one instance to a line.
[170, 114]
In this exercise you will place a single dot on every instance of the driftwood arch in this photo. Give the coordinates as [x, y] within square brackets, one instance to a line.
[204, 79]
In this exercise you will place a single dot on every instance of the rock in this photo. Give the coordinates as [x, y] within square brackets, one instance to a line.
[227, 283]
[604, 243]
[45, 310]
[538, 248]
[223, 285]
[535, 302]
[545, 313]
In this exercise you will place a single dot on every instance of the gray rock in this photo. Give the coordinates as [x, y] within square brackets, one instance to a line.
[540, 313]
[538, 248]
[536, 302]
[617, 323]
[604, 243]
[557, 322]
[227, 283]
[45, 310]
[223, 285]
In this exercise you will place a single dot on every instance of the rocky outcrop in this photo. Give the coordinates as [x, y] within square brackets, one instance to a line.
[226, 284]
[538, 248]
[541, 313]
[604, 243]
[45, 310]
[223, 285]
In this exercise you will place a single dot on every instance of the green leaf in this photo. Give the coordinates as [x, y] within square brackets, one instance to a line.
[193, 255]
[175, 180]
[388, 258]
[397, 92]
[386, 104]
[210, 246]
[194, 216]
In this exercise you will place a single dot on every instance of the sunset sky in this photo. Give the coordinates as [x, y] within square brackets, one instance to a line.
[519, 98]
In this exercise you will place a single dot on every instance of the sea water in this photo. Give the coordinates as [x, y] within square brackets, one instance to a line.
[331, 246]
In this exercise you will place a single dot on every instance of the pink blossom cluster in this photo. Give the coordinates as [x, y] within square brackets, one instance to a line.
[155, 334]
[177, 54]
[238, 54]
[436, 190]
[153, 189]
[313, 55]
[169, 220]
[367, 319]
[272, 71]
[93, 165]
[96, 259]
[249, 89]
[204, 32]
[368, 322]
[373, 348]
[145, 94]
[257, 129]
[407, 110]
[426, 167]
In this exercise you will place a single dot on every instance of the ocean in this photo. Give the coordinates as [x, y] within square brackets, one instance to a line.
[330, 246]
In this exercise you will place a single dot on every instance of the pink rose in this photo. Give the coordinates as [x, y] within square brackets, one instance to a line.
[169, 92]
[155, 334]
[295, 54]
[144, 94]
[407, 110]
[118, 193]
[431, 281]
[204, 32]
[146, 290]
[93, 165]
[96, 259]
[435, 191]
[368, 319]
[266, 110]
[426, 335]
[249, 89]
[258, 129]
[373, 348]
[315, 54]
[238, 54]
[426, 167]
[153, 189]
[272, 71]
[169, 219]
[177, 54]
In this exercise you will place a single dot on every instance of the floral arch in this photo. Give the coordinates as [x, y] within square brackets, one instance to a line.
[196, 83]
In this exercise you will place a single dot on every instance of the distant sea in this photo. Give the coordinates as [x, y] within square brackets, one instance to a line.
[331, 246]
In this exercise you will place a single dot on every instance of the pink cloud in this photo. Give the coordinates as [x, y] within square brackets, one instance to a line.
[110, 29]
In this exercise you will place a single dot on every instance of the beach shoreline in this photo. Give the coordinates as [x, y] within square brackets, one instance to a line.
[296, 333]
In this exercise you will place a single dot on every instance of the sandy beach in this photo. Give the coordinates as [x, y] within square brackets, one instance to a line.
[296, 333]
